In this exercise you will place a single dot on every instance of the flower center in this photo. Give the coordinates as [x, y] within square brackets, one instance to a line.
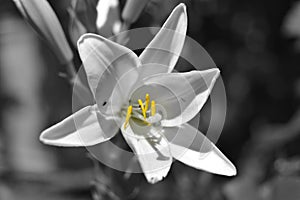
[143, 111]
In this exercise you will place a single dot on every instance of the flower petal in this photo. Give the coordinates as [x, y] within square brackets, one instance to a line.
[191, 147]
[180, 95]
[166, 46]
[86, 127]
[153, 153]
[107, 65]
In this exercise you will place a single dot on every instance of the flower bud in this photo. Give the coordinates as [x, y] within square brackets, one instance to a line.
[43, 19]
[132, 10]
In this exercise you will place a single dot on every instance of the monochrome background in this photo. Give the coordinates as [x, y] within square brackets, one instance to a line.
[256, 46]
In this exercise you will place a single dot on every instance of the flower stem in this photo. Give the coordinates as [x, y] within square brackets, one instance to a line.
[71, 72]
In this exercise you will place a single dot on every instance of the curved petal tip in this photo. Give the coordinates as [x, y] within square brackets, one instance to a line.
[231, 171]
[182, 5]
[78, 130]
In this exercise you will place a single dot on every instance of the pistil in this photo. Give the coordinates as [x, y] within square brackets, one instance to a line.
[143, 108]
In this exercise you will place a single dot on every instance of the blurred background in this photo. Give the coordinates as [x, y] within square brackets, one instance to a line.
[256, 45]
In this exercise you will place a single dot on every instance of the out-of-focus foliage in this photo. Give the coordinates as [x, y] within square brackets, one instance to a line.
[83, 15]
[132, 10]
[86, 12]
[108, 20]
[76, 28]
[43, 19]
[291, 24]
[252, 42]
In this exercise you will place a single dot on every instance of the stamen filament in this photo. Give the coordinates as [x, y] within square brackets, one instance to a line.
[153, 108]
[142, 107]
[147, 101]
[128, 115]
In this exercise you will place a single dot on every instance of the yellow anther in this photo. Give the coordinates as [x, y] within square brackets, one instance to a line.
[142, 107]
[153, 108]
[147, 101]
[128, 115]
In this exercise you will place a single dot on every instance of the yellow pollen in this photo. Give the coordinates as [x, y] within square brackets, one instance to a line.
[128, 115]
[142, 107]
[153, 108]
[147, 101]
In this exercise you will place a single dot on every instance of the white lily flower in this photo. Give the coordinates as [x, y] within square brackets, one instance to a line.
[146, 101]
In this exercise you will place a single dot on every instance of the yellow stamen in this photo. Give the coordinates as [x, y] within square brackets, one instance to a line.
[147, 101]
[128, 115]
[153, 108]
[142, 107]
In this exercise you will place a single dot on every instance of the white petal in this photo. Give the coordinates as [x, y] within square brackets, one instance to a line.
[181, 95]
[80, 129]
[166, 46]
[109, 67]
[154, 156]
[191, 147]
